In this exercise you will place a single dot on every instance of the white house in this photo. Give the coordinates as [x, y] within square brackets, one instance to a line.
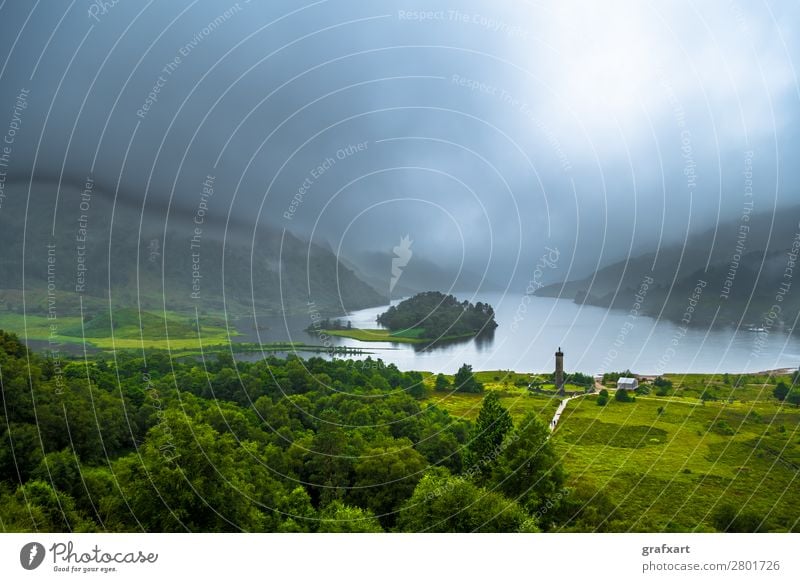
[627, 384]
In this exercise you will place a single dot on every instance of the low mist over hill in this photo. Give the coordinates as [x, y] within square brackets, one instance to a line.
[87, 247]
[733, 274]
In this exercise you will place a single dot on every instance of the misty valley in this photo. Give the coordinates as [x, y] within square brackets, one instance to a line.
[366, 268]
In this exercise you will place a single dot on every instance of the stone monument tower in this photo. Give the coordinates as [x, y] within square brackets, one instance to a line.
[559, 376]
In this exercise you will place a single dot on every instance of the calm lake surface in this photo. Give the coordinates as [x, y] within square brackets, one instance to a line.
[594, 340]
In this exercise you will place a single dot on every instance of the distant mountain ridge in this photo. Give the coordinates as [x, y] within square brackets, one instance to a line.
[743, 265]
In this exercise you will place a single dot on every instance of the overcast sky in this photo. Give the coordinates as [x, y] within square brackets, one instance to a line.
[488, 130]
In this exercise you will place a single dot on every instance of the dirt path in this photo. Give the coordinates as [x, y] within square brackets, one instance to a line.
[560, 409]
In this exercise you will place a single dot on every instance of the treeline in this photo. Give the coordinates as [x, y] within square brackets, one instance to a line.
[439, 315]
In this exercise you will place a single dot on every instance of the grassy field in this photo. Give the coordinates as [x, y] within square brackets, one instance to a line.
[519, 401]
[672, 461]
[407, 336]
[128, 329]
[35, 327]
[373, 335]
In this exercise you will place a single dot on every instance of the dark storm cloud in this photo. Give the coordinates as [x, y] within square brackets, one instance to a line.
[484, 132]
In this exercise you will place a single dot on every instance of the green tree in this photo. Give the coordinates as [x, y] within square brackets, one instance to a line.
[621, 395]
[340, 518]
[299, 514]
[442, 437]
[299, 379]
[442, 383]
[443, 503]
[465, 381]
[528, 470]
[781, 391]
[413, 383]
[731, 518]
[707, 395]
[187, 476]
[663, 386]
[580, 379]
[101, 500]
[327, 465]
[491, 427]
[386, 475]
[37, 507]
[20, 452]
[63, 471]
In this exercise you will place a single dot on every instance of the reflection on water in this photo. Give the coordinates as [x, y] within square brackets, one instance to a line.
[481, 340]
[484, 340]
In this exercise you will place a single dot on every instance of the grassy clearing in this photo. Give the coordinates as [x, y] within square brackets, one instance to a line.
[170, 344]
[519, 401]
[727, 387]
[373, 335]
[127, 329]
[504, 377]
[406, 336]
[35, 327]
[413, 333]
[670, 461]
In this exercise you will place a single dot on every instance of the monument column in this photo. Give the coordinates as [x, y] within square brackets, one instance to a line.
[559, 376]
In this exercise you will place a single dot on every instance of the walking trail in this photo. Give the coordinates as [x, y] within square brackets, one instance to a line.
[563, 406]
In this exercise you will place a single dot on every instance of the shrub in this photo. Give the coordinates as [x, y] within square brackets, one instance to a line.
[721, 427]
[442, 384]
[706, 395]
[622, 396]
[781, 391]
[730, 518]
[663, 386]
[465, 381]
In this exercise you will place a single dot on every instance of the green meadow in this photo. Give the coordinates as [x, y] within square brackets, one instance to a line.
[406, 336]
[376, 335]
[131, 329]
[516, 400]
[674, 462]
[510, 387]
[127, 329]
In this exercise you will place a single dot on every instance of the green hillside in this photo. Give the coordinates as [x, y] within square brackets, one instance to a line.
[739, 277]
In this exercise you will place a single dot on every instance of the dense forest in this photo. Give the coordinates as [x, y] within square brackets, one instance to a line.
[439, 316]
[144, 442]
[152, 444]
